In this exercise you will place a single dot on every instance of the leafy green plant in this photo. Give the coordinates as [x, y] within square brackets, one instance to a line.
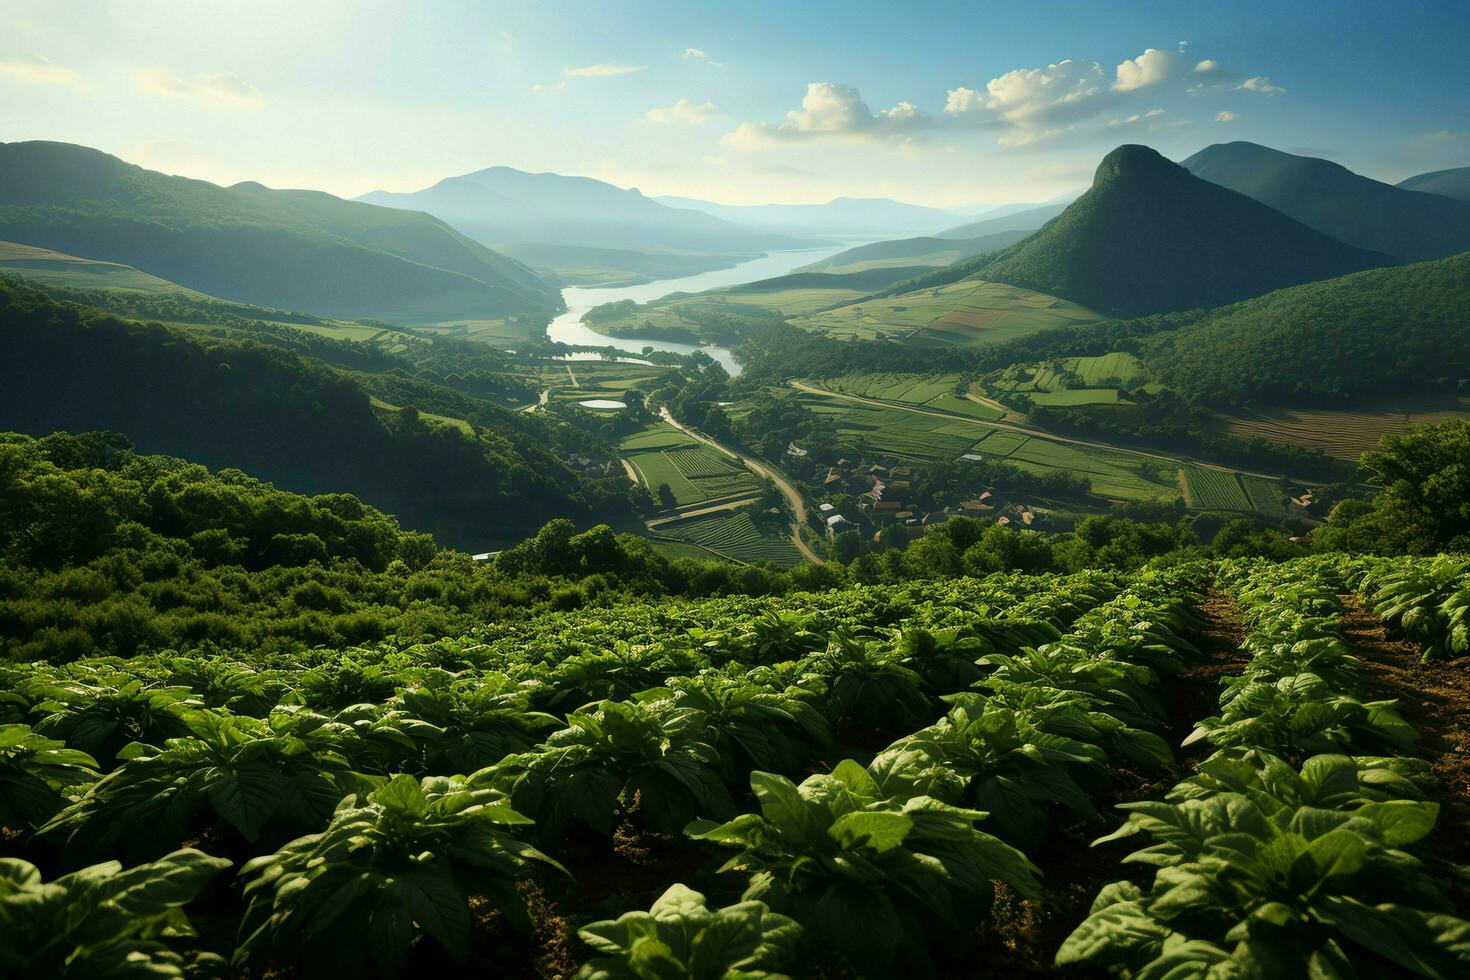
[611, 756]
[1266, 887]
[404, 861]
[680, 937]
[103, 714]
[753, 727]
[103, 921]
[876, 880]
[243, 773]
[867, 684]
[38, 776]
[482, 720]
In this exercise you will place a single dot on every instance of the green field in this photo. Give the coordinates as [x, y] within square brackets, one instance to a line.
[1214, 490]
[736, 536]
[1071, 381]
[1070, 397]
[693, 471]
[1000, 443]
[962, 314]
[928, 390]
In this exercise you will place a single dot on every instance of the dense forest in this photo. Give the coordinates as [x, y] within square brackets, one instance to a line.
[286, 419]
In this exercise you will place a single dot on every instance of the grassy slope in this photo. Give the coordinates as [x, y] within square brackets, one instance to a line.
[294, 249]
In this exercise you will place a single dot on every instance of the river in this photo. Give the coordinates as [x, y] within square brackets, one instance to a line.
[568, 328]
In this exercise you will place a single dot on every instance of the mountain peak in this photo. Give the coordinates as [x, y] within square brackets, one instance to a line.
[1130, 161]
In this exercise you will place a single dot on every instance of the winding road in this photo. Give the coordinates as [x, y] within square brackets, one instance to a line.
[793, 498]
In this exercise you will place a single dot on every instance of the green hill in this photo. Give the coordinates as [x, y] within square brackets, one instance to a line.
[911, 252]
[1449, 183]
[1401, 222]
[1150, 237]
[302, 250]
[293, 421]
[1405, 328]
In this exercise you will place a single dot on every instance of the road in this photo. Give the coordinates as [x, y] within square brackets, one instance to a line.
[798, 506]
[1037, 433]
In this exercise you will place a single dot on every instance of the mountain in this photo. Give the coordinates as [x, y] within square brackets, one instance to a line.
[1449, 183]
[1352, 208]
[1028, 219]
[839, 216]
[1400, 329]
[302, 250]
[510, 207]
[1150, 237]
[911, 252]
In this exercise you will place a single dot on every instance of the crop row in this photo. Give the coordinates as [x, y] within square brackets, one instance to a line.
[1301, 847]
[122, 762]
[1426, 599]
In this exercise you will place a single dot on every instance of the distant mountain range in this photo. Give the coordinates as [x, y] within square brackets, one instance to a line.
[839, 216]
[302, 250]
[568, 224]
[1026, 219]
[1404, 223]
[1450, 183]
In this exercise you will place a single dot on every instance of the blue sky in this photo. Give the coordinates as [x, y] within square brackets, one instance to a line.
[937, 103]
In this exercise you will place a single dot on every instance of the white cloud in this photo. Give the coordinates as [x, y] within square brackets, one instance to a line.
[603, 70]
[1260, 83]
[694, 53]
[1137, 117]
[37, 70]
[829, 110]
[1226, 116]
[684, 111]
[1148, 69]
[222, 89]
[549, 88]
[1208, 67]
[1029, 96]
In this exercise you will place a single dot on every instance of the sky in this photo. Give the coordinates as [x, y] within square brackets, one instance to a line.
[945, 104]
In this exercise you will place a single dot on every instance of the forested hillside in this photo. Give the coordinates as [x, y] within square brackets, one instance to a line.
[300, 250]
[282, 418]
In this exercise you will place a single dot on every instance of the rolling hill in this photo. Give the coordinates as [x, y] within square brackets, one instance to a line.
[1404, 223]
[1029, 219]
[287, 419]
[302, 250]
[1150, 237]
[911, 252]
[1449, 183]
[1405, 328]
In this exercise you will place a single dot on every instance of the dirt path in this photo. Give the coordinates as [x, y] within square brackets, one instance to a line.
[793, 498]
[1035, 433]
[572, 376]
[631, 470]
[1434, 697]
[699, 510]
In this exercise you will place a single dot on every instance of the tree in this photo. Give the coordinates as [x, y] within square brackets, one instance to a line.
[666, 496]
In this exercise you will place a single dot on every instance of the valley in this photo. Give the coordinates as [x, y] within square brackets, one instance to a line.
[667, 491]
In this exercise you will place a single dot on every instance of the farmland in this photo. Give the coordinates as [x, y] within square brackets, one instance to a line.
[1344, 434]
[1071, 381]
[962, 314]
[736, 536]
[610, 760]
[693, 471]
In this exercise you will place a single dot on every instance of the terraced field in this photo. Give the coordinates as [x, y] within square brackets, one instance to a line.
[737, 537]
[962, 314]
[1207, 489]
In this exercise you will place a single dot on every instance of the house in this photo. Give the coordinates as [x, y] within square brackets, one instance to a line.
[974, 506]
[973, 457]
[825, 508]
[887, 507]
[1002, 521]
[877, 492]
[935, 517]
[792, 449]
[836, 524]
[904, 515]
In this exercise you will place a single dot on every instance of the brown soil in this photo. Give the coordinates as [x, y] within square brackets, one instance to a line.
[1022, 937]
[1434, 697]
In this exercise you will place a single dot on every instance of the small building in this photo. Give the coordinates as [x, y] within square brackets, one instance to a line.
[792, 449]
[887, 507]
[935, 517]
[836, 524]
[973, 457]
[825, 508]
[1002, 521]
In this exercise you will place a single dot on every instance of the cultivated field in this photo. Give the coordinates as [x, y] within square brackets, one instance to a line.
[737, 537]
[1206, 489]
[693, 471]
[1342, 434]
[962, 314]
[929, 390]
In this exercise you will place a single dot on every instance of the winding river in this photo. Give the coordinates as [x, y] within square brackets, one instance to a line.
[568, 328]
